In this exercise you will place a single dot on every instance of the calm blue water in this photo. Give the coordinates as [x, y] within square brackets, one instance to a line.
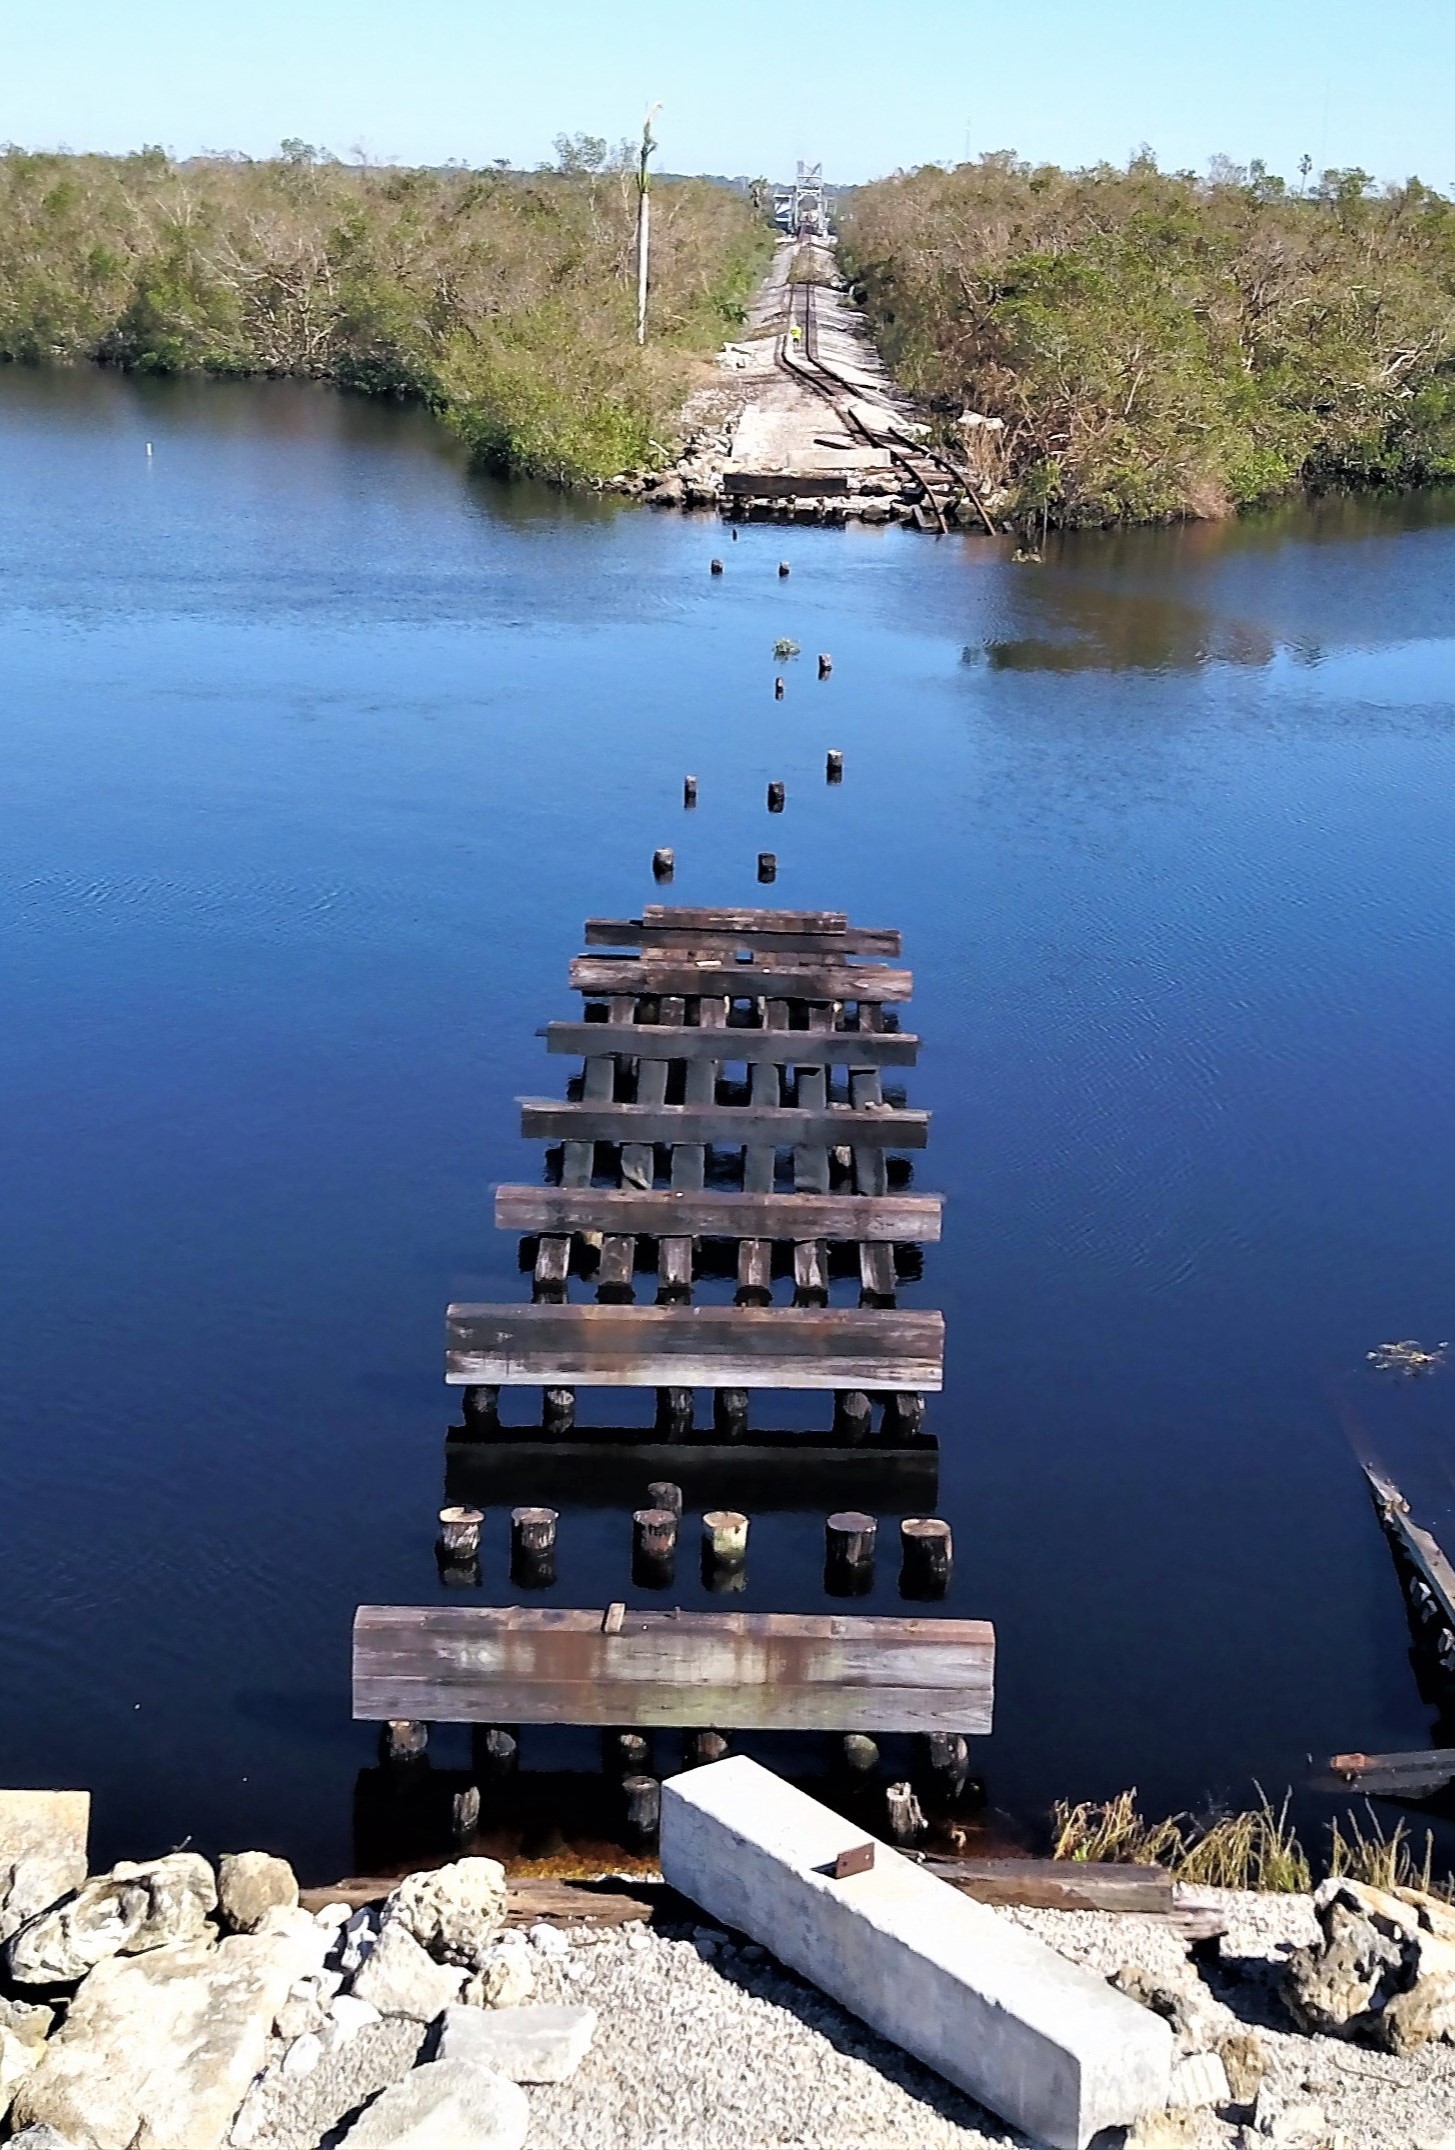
[316, 753]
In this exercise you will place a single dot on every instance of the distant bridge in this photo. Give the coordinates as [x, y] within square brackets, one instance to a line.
[803, 208]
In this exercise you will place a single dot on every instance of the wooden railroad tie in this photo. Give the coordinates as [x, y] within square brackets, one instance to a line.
[454, 1664]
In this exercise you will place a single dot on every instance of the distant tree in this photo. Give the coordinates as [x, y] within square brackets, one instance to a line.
[578, 154]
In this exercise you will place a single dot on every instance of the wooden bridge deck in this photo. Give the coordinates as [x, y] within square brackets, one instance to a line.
[732, 1045]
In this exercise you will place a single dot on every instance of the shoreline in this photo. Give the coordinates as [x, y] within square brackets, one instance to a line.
[641, 2023]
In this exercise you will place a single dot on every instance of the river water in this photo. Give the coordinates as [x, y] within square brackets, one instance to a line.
[317, 751]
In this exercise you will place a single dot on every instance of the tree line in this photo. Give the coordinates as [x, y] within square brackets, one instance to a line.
[504, 299]
[1161, 344]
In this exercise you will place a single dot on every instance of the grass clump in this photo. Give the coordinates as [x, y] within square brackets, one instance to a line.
[1159, 344]
[1256, 1848]
[505, 299]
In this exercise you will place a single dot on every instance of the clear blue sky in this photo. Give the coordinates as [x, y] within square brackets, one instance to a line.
[747, 86]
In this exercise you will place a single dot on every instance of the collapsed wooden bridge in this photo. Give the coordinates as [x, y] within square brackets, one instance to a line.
[730, 1121]
[730, 1125]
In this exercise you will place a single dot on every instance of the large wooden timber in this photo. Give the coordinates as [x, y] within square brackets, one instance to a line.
[736, 918]
[813, 979]
[738, 1347]
[637, 933]
[447, 1664]
[547, 1119]
[713, 1214]
[781, 1048]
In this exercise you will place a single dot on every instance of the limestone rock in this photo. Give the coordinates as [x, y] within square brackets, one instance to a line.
[40, 2137]
[1199, 2079]
[506, 1979]
[1383, 1968]
[455, 1912]
[1166, 2131]
[29, 2021]
[134, 1907]
[42, 1852]
[347, 2017]
[1198, 2021]
[525, 2045]
[1245, 2061]
[17, 2059]
[446, 2105]
[157, 2051]
[400, 1979]
[250, 1884]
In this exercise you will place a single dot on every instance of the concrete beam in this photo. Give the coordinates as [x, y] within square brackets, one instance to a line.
[1040, 2041]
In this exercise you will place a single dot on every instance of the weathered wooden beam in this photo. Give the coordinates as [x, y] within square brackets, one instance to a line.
[530, 1899]
[695, 1347]
[895, 1219]
[1061, 1884]
[646, 1041]
[735, 918]
[708, 940]
[549, 1119]
[1411, 1776]
[450, 1664]
[809, 980]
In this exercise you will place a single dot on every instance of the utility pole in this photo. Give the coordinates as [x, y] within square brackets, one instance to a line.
[644, 221]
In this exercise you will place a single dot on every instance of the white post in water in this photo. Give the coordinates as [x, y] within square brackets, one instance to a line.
[644, 222]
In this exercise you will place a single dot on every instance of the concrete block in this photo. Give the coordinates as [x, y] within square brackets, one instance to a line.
[1040, 2041]
[534, 2044]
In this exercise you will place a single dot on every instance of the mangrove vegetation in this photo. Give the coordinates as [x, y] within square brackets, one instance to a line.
[1158, 344]
[504, 299]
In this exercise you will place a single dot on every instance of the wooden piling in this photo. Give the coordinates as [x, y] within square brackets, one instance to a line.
[402, 1741]
[642, 1800]
[716, 566]
[783, 568]
[927, 1555]
[701, 1747]
[778, 690]
[460, 1533]
[464, 1816]
[858, 1754]
[654, 1543]
[825, 665]
[533, 1546]
[767, 866]
[662, 1493]
[494, 1751]
[853, 1417]
[849, 1541]
[904, 1816]
[625, 1753]
[558, 1411]
[724, 1538]
[663, 863]
[481, 1406]
[730, 1413]
[689, 791]
[947, 1759]
[834, 767]
[674, 1413]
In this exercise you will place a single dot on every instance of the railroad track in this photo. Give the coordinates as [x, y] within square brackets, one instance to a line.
[938, 478]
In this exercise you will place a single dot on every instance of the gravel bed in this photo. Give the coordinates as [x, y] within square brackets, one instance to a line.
[705, 2043]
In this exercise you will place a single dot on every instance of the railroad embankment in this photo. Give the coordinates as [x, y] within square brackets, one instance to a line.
[803, 421]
